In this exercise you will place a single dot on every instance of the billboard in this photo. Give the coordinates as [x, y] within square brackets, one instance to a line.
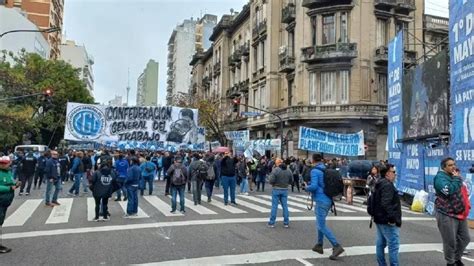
[395, 77]
[134, 127]
[461, 35]
[425, 98]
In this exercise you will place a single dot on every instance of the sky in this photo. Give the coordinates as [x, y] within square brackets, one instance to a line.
[124, 34]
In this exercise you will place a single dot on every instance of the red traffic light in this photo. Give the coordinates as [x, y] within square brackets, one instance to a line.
[48, 92]
[236, 101]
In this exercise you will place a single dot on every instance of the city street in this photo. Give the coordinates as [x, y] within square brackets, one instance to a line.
[207, 234]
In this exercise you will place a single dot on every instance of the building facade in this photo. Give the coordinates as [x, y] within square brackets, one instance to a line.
[147, 85]
[44, 14]
[315, 63]
[30, 42]
[79, 58]
[187, 38]
[117, 101]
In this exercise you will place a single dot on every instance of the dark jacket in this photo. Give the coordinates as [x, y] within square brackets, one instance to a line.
[387, 207]
[167, 162]
[6, 192]
[448, 194]
[102, 182]
[64, 163]
[41, 163]
[133, 176]
[87, 163]
[281, 177]
[29, 164]
[228, 166]
[52, 169]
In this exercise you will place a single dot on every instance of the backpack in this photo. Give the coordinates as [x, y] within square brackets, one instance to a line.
[371, 207]
[149, 168]
[178, 177]
[333, 184]
[211, 175]
[202, 170]
[294, 169]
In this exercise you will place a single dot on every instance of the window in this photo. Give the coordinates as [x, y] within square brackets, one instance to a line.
[256, 100]
[328, 87]
[263, 97]
[312, 88]
[255, 58]
[344, 38]
[262, 54]
[290, 92]
[329, 30]
[345, 86]
[291, 43]
[313, 30]
[382, 88]
[381, 32]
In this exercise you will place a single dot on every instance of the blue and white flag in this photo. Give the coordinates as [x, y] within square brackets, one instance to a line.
[333, 143]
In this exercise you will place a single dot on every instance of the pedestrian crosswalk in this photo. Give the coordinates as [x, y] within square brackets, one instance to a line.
[160, 206]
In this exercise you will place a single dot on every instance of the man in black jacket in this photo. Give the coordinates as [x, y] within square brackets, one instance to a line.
[229, 179]
[52, 172]
[28, 172]
[387, 216]
[167, 162]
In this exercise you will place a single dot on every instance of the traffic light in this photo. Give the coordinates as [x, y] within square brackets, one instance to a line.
[235, 105]
[47, 100]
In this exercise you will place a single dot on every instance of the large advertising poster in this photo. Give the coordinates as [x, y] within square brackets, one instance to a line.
[134, 127]
[461, 37]
[395, 77]
[425, 98]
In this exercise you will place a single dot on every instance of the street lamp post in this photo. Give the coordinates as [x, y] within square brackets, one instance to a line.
[237, 102]
[48, 30]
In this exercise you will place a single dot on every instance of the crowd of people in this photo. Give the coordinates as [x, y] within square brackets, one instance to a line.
[129, 173]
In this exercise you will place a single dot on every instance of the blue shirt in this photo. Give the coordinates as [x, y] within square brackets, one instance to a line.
[316, 186]
[150, 165]
[122, 166]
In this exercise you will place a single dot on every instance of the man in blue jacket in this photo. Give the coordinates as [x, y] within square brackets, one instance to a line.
[148, 169]
[121, 166]
[78, 170]
[52, 173]
[131, 184]
[321, 210]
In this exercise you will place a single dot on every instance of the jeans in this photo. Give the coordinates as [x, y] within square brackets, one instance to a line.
[49, 186]
[122, 189]
[39, 177]
[85, 182]
[321, 211]
[229, 182]
[158, 173]
[455, 235]
[296, 182]
[209, 187]
[244, 186]
[77, 184]
[174, 191]
[24, 180]
[196, 187]
[3, 214]
[101, 203]
[144, 181]
[280, 196]
[168, 181]
[218, 181]
[388, 235]
[132, 204]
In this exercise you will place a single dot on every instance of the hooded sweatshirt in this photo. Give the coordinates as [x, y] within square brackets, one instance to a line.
[316, 185]
[6, 192]
[449, 199]
[101, 184]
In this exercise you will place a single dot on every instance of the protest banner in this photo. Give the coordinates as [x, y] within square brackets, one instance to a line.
[332, 143]
[242, 135]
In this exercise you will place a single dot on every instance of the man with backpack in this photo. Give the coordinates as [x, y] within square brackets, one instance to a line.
[320, 187]
[28, 171]
[198, 173]
[101, 187]
[178, 176]
[148, 174]
[385, 208]
[211, 177]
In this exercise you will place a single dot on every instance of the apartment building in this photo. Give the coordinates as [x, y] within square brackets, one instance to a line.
[147, 85]
[314, 63]
[79, 58]
[44, 14]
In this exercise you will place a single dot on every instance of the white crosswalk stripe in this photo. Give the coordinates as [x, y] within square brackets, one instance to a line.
[140, 214]
[162, 206]
[90, 209]
[264, 202]
[198, 208]
[60, 214]
[227, 208]
[249, 205]
[290, 203]
[23, 213]
[304, 201]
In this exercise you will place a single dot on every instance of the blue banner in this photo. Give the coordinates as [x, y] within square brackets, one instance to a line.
[461, 39]
[432, 161]
[395, 78]
[329, 142]
[411, 178]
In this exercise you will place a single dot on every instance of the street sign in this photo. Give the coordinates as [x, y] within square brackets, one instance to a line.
[250, 114]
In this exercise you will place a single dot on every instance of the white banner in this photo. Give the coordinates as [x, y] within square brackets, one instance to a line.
[243, 135]
[156, 126]
[314, 140]
[259, 146]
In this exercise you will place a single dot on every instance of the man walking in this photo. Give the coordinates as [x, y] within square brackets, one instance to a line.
[148, 169]
[323, 205]
[28, 172]
[229, 180]
[387, 215]
[52, 173]
[450, 206]
[198, 173]
[131, 184]
[167, 162]
[78, 170]
[280, 179]
[39, 175]
[121, 166]
[178, 176]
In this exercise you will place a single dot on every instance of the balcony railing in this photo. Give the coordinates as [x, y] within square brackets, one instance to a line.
[245, 49]
[406, 5]
[233, 92]
[381, 56]
[436, 23]
[288, 14]
[385, 3]
[262, 27]
[409, 57]
[244, 86]
[235, 57]
[332, 51]
[217, 69]
[287, 62]
[323, 3]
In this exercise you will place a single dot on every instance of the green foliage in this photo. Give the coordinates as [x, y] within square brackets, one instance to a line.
[27, 74]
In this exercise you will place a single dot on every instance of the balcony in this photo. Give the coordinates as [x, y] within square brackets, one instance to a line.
[245, 49]
[287, 62]
[244, 86]
[337, 51]
[233, 92]
[217, 69]
[206, 82]
[381, 56]
[385, 4]
[235, 58]
[436, 24]
[262, 27]
[410, 57]
[312, 4]
[405, 5]
[288, 14]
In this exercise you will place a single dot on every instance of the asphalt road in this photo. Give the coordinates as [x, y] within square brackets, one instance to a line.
[212, 234]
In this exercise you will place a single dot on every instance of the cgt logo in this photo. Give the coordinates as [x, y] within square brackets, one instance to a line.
[86, 122]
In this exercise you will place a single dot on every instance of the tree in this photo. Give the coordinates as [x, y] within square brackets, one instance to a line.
[211, 114]
[26, 74]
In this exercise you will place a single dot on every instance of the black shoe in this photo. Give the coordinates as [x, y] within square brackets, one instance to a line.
[195, 203]
[209, 200]
[4, 249]
[336, 251]
[118, 199]
[318, 248]
[459, 263]
[125, 199]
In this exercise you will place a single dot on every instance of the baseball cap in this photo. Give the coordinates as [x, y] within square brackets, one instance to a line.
[5, 159]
